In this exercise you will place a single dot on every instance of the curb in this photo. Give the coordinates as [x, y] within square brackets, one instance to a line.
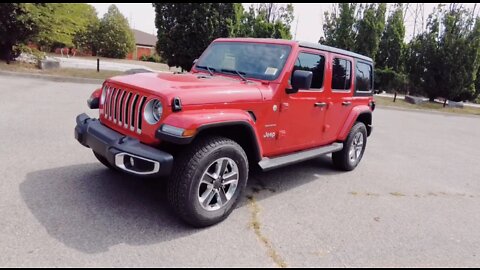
[428, 111]
[52, 77]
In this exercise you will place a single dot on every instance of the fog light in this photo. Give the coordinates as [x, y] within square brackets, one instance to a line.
[132, 161]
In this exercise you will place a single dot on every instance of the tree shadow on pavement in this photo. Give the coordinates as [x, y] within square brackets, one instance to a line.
[90, 208]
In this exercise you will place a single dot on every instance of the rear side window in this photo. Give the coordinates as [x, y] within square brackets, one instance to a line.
[314, 63]
[363, 74]
[341, 74]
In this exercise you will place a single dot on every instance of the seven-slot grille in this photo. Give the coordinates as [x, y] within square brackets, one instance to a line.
[124, 107]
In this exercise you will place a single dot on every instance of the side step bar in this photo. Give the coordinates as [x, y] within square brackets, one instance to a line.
[272, 163]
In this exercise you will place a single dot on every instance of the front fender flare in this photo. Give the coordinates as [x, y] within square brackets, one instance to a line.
[200, 120]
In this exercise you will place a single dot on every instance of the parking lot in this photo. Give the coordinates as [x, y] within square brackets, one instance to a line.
[414, 200]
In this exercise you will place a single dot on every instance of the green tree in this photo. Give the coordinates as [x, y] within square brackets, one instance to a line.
[185, 30]
[17, 25]
[59, 22]
[392, 46]
[370, 29]
[267, 20]
[339, 29]
[88, 39]
[445, 61]
[114, 38]
[421, 61]
[477, 86]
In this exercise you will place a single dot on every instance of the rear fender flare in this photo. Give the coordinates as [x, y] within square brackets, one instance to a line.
[352, 118]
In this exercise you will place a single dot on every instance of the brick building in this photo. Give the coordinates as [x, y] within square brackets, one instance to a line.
[144, 44]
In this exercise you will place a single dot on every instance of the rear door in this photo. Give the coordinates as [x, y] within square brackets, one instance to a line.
[340, 91]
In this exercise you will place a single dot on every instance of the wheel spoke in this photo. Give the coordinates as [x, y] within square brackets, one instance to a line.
[207, 196]
[222, 198]
[208, 178]
[221, 169]
[230, 182]
[351, 153]
[231, 176]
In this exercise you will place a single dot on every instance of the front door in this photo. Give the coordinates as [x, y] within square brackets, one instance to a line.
[302, 114]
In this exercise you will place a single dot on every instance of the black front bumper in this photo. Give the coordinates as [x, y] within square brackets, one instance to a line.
[122, 152]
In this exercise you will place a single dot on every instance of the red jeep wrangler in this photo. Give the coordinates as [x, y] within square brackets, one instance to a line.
[246, 101]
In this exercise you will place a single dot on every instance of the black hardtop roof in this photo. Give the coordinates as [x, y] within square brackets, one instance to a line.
[333, 49]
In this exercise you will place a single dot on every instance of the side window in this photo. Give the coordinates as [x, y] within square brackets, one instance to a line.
[363, 74]
[314, 63]
[341, 74]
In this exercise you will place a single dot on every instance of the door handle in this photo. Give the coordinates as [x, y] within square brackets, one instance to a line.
[346, 103]
[320, 104]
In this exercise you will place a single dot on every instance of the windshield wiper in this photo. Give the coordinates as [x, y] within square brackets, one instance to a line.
[237, 72]
[209, 69]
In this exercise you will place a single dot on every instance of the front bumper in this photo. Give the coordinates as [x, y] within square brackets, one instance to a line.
[122, 152]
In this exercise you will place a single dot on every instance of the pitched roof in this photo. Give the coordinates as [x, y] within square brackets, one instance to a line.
[145, 39]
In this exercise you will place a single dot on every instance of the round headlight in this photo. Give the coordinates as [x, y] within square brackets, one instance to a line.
[153, 111]
[104, 95]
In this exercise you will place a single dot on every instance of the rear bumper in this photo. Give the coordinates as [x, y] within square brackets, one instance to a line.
[122, 152]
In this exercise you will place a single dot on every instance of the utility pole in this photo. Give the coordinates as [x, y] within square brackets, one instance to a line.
[296, 27]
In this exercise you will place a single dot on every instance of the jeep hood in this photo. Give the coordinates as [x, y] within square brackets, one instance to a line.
[191, 88]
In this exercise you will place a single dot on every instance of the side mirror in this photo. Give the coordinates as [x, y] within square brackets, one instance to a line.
[195, 61]
[301, 79]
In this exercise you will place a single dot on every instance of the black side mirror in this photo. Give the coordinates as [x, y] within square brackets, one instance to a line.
[301, 79]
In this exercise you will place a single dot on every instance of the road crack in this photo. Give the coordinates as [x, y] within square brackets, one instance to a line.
[256, 225]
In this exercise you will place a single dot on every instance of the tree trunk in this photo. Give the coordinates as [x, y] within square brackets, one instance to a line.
[9, 55]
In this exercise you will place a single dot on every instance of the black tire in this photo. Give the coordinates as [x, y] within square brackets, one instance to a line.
[341, 159]
[189, 166]
[103, 161]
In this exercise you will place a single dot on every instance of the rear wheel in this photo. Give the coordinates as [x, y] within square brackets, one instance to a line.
[207, 180]
[353, 148]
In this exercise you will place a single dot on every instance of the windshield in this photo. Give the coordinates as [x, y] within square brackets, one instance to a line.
[253, 60]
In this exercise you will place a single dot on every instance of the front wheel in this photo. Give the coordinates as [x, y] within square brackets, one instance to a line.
[207, 180]
[353, 148]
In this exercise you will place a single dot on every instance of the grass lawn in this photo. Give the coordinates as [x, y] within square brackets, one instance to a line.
[66, 72]
[429, 106]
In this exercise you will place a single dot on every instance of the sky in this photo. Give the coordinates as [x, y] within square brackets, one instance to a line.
[307, 25]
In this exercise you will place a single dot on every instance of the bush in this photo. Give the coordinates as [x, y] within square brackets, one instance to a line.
[27, 51]
[390, 81]
[151, 58]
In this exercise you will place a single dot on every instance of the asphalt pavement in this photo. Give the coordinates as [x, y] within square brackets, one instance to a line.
[414, 200]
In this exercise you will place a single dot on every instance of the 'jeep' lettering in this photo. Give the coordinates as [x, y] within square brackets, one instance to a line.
[269, 135]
